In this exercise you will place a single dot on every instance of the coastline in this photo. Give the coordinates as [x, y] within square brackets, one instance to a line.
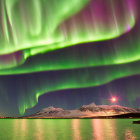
[122, 116]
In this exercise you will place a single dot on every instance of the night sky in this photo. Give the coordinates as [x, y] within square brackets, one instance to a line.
[68, 54]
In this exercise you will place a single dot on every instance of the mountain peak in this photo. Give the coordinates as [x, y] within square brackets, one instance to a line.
[91, 110]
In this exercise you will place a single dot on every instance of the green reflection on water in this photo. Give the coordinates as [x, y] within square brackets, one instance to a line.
[69, 129]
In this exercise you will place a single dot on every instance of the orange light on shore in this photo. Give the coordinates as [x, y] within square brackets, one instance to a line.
[114, 99]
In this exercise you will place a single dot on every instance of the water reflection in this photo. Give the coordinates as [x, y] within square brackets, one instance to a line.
[20, 129]
[69, 129]
[16, 128]
[76, 129]
[97, 129]
[39, 134]
[109, 129]
[23, 129]
[129, 135]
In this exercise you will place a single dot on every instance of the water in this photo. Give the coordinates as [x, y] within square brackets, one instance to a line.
[69, 129]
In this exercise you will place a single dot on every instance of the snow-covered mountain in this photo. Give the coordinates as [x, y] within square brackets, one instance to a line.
[85, 111]
[108, 108]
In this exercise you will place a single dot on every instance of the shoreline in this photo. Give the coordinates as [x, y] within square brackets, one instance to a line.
[121, 116]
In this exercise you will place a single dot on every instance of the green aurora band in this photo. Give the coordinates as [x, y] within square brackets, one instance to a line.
[95, 26]
[34, 31]
[112, 53]
[33, 27]
[37, 84]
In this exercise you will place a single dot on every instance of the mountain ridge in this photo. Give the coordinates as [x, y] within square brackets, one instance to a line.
[85, 111]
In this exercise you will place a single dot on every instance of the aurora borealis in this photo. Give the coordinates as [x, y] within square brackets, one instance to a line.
[48, 46]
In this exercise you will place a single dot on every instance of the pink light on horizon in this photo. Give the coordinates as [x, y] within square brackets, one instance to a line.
[113, 99]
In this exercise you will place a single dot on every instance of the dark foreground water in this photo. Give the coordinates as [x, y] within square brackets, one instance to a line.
[69, 129]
